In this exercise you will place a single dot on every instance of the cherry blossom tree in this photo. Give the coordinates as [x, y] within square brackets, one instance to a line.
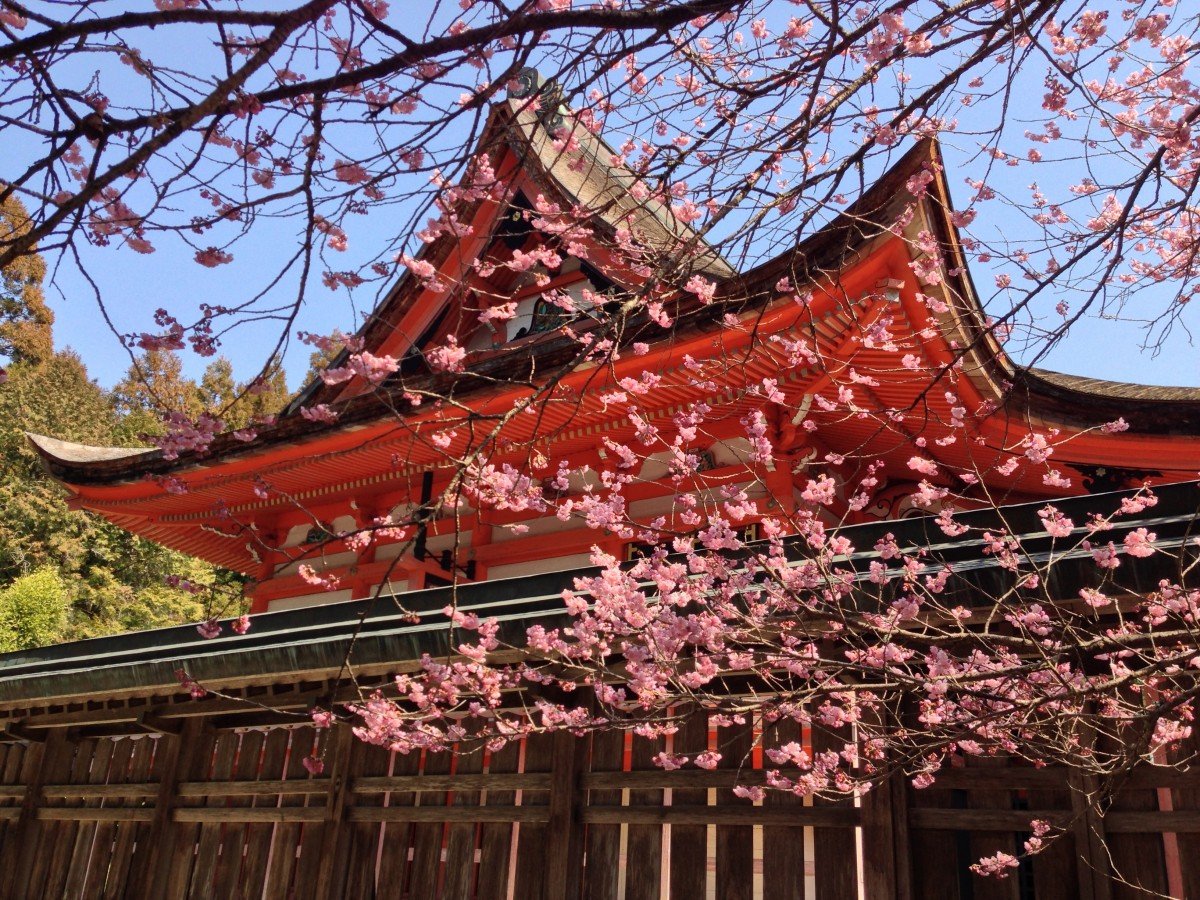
[754, 123]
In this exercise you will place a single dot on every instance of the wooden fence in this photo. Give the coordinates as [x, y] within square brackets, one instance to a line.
[203, 809]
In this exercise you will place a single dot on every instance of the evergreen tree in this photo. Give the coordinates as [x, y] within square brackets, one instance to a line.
[66, 573]
[153, 385]
[240, 404]
[218, 389]
[265, 398]
[25, 319]
[114, 581]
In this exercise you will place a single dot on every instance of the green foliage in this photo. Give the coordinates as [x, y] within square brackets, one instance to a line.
[33, 610]
[265, 398]
[114, 581]
[67, 574]
[239, 404]
[154, 385]
[25, 319]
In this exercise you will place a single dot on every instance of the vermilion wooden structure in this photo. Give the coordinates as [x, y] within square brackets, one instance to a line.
[867, 312]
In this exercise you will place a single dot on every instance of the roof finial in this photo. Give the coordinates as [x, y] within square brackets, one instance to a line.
[530, 83]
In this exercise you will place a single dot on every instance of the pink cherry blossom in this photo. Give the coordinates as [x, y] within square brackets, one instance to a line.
[210, 628]
[350, 172]
[212, 257]
[448, 357]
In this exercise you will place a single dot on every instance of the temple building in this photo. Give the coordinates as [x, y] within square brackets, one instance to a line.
[905, 338]
[168, 765]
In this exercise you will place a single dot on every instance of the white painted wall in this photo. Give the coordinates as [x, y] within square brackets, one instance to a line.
[318, 599]
[538, 566]
[319, 563]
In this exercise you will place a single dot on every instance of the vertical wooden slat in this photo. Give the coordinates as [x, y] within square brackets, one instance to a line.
[879, 846]
[364, 836]
[209, 843]
[15, 764]
[735, 843]
[260, 835]
[988, 843]
[13, 756]
[689, 843]
[643, 843]
[428, 836]
[934, 862]
[495, 838]
[1138, 861]
[233, 835]
[84, 855]
[310, 860]
[531, 836]
[44, 764]
[181, 842]
[176, 757]
[902, 838]
[602, 843]
[285, 839]
[783, 847]
[51, 875]
[127, 845]
[1188, 800]
[461, 836]
[397, 836]
[102, 855]
[1055, 870]
[335, 840]
[888, 850]
[1091, 849]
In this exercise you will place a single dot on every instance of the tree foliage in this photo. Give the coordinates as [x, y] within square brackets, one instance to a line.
[33, 610]
[25, 319]
[69, 573]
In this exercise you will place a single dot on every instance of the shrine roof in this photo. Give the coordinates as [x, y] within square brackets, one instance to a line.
[587, 179]
[1148, 409]
[1052, 382]
[83, 454]
[312, 643]
[1153, 410]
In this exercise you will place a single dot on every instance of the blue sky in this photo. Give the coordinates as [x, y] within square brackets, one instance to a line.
[134, 285]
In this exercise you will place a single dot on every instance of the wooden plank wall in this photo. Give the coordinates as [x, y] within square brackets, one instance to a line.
[205, 810]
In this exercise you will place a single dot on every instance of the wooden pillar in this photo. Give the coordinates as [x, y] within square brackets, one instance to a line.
[835, 866]
[481, 536]
[336, 840]
[880, 881]
[183, 755]
[564, 834]
[364, 514]
[887, 858]
[270, 539]
[1090, 850]
[903, 850]
[50, 766]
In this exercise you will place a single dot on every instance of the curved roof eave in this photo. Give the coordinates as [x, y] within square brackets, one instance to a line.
[1148, 409]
